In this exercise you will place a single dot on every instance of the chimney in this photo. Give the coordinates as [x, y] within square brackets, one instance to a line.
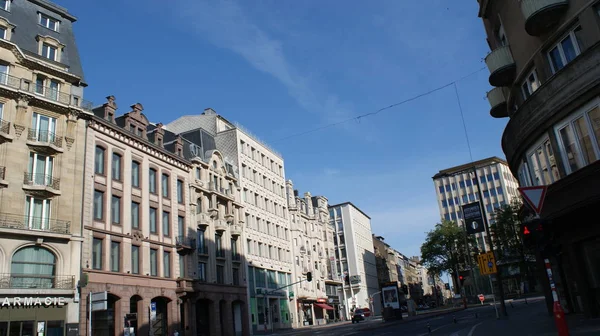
[179, 146]
[159, 135]
[110, 107]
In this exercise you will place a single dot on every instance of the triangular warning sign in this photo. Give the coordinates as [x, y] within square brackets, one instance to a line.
[534, 196]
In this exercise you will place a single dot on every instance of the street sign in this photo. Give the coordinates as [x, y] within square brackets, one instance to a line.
[481, 298]
[534, 196]
[487, 263]
[473, 218]
[99, 301]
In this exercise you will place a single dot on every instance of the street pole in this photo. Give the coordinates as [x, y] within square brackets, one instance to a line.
[491, 245]
[90, 313]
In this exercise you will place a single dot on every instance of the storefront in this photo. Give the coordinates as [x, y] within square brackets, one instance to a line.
[37, 315]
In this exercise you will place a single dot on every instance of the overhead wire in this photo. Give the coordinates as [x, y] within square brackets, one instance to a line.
[365, 115]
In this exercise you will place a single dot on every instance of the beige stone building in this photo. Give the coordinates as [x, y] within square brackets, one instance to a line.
[135, 202]
[42, 144]
[309, 218]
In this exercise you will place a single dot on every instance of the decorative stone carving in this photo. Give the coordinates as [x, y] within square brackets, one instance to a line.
[18, 130]
[69, 142]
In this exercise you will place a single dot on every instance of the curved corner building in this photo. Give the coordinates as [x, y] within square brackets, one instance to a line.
[544, 67]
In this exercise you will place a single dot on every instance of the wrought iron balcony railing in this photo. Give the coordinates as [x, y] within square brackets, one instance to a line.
[185, 241]
[220, 253]
[23, 281]
[2, 173]
[236, 257]
[202, 250]
[4, 126]
[47, 92]
[41, 180]
[30, 223]
[44, 136]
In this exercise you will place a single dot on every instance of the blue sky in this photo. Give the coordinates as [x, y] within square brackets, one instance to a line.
[284, 67]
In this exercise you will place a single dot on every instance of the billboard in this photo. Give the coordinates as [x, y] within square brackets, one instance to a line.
[473, 218]
[391, 297]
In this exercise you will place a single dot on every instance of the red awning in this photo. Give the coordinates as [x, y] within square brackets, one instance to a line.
[324, 306]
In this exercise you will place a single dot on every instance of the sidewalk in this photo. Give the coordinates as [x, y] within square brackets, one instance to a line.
[408, 319]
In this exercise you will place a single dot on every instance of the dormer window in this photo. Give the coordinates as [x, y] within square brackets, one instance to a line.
[49, 51]
[48, 22]
[5, 5]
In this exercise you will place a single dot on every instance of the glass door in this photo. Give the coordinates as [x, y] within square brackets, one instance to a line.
[40, 169]
[44, 127]
[38, 213]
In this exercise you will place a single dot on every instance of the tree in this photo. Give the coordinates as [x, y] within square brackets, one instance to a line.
[444, 249]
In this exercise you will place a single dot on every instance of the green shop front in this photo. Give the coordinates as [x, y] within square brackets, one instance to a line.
[269, 299]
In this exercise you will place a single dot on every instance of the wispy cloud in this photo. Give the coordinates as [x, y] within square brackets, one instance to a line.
[331, 171]
[225, 24]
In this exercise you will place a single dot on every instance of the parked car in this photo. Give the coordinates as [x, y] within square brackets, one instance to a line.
[359, 315]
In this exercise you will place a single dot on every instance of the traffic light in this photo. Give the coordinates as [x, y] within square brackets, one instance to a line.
[309, 276]
[461, 279]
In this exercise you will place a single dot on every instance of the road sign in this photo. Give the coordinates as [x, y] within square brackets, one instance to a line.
[487, 263]
[473, 218]
[534, 196]
[481, 298]
[99, 301]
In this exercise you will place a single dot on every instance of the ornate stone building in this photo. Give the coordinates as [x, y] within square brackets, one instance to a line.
[42, 145]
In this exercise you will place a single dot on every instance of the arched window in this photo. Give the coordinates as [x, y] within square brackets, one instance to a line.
[33, 267]
[215, 164]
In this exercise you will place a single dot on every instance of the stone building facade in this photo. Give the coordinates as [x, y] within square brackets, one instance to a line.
[42, 145]
[309, 221]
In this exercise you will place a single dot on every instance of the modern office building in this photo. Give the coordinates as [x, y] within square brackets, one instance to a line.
[267, 245]
[355, 255]
[544, 68]
[457, 186]
[135, 203]
[309, 218]
[42, 142]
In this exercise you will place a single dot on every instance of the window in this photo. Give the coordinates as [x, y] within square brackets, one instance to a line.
[153, 262]
[181, 225]
[220, 274]
[48, 22]
[182, 271]
[219, 245]
[152, 219]
[40, 170]
[201, 243]
[97, 253]
[115, 209]
[167, 264]
[579, 138]
[198, 173]
[236, 276]
[37, 212]
[179, 191]
[501, 36]
[565, 51]
[98, 205]
[3, 74]
[33, 267]
[530, 84]
[166, 223]
[49, 51]
[202, 271]
[135, 174]
[135, 215]
[164, 184]
[115, 256]
[116, 167]
[99, 160]
[199, 205]
[234, 249]
[5, 4]
[152, 180]
[135, 259]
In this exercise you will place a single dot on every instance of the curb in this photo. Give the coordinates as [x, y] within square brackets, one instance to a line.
[406, 320]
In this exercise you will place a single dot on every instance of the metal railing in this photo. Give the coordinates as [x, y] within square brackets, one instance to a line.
[2, 173]
[41, 180]
[202, 250]
[220, 253]
[236, 257]
[30, 223]
[44, 137]
[4, 126]
[36, 281]
[47, 92]
[184, 241]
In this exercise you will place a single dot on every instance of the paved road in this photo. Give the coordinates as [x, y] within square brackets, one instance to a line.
[524, 320]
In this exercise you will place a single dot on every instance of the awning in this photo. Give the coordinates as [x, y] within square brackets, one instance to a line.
[324, 306]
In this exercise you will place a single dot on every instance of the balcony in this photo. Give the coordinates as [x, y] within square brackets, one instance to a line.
[501, 64]
[43, 93]
[185, 285]
[44, 141]
[236, 257]
[220, 191]
[497, 103]
[202, 251]
[185, 245]
[220, 226]
[34, 224]
[5, 135]
[202, 220]
[3, 182]
[542, 15]
[236, 230]
[32, 281]
[41, 184]
[220, 254]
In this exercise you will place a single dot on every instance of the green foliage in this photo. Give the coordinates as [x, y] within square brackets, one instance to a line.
[506, 232]
[444, 248]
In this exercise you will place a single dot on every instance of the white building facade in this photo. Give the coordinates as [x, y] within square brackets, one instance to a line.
[457, 186]
[354, 255]
[267, 238]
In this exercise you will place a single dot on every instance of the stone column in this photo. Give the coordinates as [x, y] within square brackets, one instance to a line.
[227, 317]
[173, 321]
[215, 320]
[144, 316]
